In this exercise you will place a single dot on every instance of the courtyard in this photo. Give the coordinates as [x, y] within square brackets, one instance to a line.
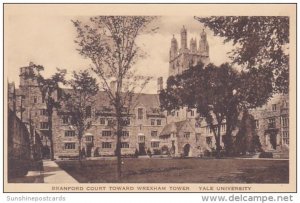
[191, 170]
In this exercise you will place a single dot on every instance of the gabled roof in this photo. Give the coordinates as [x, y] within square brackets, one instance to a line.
[168, 129]
[150, 102]
[174, 127]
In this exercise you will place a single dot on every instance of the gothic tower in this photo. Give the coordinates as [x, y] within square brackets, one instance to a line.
[174, 48]
[183, 33]
[193, 45]
[183, 58]
[203, 47]
[173, 56]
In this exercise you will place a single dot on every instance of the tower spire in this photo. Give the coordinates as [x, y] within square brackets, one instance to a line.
[203, 44]
[174, 47]
[183, 38]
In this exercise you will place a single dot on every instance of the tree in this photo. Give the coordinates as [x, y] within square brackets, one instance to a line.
[218, 93]
[260, 42]
[49, 88]
[79, 102]
[110, 43]
[247, 139]
[210, 90]
[254, 90]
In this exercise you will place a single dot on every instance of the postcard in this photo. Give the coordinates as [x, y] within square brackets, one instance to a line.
[150, 98]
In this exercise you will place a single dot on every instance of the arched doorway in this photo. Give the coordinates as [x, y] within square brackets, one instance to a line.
[165, 150]
[271, 137]
[186, 149]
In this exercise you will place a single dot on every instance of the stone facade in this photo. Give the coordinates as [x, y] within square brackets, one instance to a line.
[181, 58]
[202, 138]
[272, 123]
[180, 139]
[140, 134]
[29, 104]
[19, 154]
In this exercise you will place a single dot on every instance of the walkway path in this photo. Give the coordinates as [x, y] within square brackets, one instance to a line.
[54, 174]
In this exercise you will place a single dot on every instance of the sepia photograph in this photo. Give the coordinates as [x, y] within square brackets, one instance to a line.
[155, 98]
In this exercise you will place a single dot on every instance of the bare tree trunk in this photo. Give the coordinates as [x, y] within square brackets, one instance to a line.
[217, 138]
[119, 160]
[231, 124]
[50, 137]
[79, 150]
[118, 147]
[218, 142]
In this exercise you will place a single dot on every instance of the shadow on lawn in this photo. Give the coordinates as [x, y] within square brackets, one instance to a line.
[180, 171]
[146, 171]
[278, 175]
[28, 179]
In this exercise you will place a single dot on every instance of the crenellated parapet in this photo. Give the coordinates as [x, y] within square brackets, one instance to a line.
[183, 57]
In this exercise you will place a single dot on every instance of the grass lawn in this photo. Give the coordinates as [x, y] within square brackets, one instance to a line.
[180, 171]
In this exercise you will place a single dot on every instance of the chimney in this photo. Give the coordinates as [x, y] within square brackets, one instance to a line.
[159, 84]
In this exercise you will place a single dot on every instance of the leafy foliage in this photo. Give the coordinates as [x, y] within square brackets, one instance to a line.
[49, 88]
[79, 100]
[218, 93]
[247, 139]
[261, 42]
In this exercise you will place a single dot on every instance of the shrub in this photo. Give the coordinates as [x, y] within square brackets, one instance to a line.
[207, 153]
[136, 153]
[165, 150]
[96, 152]
[266, 155]
[156, 152]
[223, 153]
[149, 153]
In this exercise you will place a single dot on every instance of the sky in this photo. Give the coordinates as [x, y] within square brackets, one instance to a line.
[48, 40]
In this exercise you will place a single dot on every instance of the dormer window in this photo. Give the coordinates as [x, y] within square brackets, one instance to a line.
[43, 112]
[35, 99]
[152, 121]
[187, 135]
[140, 113]
[158, 122]
[102, 121]
[192, 113]
[274, 107]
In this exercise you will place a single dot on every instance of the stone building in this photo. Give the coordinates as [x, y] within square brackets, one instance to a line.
[140, 132]
[196, 136]
[181, 139]
[180, 132]
[30, 106]
[271, 119]
[272, 123]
